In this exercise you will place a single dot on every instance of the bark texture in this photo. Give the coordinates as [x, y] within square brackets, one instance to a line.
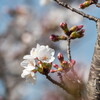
[93, 86]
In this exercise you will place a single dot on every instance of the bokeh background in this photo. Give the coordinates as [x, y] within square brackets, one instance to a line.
[23, 24]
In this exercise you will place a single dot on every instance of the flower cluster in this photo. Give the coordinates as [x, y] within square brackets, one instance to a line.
[87, 3]
[65, 65]
[39, 60]
[72, 33]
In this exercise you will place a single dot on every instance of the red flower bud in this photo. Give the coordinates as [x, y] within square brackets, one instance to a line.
[53, 71]
[80, 33]
[55, 66]
[54, 38]
[65, 28]
[85, 4]
[72, 63]
[79, 27]
[65, 64]
[76, 28]
[60, 57]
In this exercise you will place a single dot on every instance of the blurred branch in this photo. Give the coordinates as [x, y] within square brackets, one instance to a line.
[98, 5]
[77, 11]
[56, 83]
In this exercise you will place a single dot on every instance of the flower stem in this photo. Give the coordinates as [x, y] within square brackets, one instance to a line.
[68, 49]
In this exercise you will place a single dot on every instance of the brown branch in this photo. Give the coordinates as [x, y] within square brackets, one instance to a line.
[93, 86]
[77, 11]
[68, 50]
[56, 83]
[98, 5]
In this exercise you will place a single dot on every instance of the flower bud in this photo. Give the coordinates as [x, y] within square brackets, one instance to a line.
[85, 4]
[76, 28]
[73, 35]
[54, 38]
[59, 69]
[55, 66]
[62, 37]
[60, 57]
[53, 71]
[65, 64]
[72, 63]
[64, 27]
[80, 33]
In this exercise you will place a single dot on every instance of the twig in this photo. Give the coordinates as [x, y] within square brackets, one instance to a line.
[56, 83]
[60, 77]
[77, 11]
[98, 5]
[68, 50]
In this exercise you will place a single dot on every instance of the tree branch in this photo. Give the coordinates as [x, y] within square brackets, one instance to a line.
[77, 11]
[56, 83]
[93, 86]
[98, 5]
[68, 49]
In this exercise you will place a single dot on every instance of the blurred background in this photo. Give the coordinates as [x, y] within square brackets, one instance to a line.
[23, 24]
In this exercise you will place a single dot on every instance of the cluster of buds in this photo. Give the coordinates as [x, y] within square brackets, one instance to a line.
[44, 68]
[65, 65]
[72, 33]
[87, 3]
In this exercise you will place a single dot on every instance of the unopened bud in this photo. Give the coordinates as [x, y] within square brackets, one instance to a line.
[54, 38]
[55, 66]
[59, 69]
[65, 64]
[64, 27]
[62, 37]
[53, 71]
[76, 28]
[85, 4]
[80, 33]
[60, 57]
[73, 35]
[72, 62]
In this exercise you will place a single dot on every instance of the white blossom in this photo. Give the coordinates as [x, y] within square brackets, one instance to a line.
[29, 71]
[43, 53]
